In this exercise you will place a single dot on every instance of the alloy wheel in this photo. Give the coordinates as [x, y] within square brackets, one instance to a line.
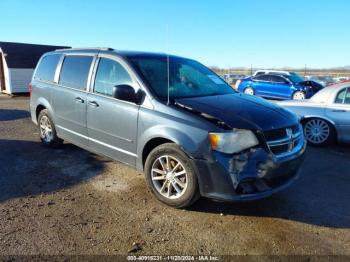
[249, 91]
[299, 95]
[169, 177]
[46, 129]
[317, 131]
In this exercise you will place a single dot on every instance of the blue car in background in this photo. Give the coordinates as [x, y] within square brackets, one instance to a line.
[279, 86]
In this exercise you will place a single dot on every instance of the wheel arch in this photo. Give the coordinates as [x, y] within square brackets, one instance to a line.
[41, 104]
[151, 144]
[308, 117]
[38, 109]
[157, 135]
[242, 85]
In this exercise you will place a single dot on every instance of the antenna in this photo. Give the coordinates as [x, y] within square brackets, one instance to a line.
[168, 62]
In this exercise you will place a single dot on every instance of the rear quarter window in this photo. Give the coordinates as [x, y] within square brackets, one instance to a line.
[47, 67]
[341, 96]
[75, 70]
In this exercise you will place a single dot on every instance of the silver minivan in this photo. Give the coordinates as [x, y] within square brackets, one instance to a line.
[171, 117]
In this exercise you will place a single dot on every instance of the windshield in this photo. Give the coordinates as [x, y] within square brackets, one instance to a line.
[187, 78]
[295, 78]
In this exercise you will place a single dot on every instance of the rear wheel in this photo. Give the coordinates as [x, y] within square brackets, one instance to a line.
[318, 132]
[47, 130]
[299, 95]
[171, 177]
[249, 91]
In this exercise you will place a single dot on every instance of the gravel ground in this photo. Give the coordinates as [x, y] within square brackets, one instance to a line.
[69, 201]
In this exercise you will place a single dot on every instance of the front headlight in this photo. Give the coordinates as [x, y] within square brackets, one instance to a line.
[233, 142]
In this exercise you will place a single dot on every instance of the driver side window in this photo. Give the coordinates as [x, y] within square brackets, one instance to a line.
[109, 74]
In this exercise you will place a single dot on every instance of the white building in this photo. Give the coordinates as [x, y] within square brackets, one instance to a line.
[17, 64]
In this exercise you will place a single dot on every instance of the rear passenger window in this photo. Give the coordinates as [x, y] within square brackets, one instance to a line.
[75, 71]
[263, 78]
[341, 96]
[47, 67]
[109, 74]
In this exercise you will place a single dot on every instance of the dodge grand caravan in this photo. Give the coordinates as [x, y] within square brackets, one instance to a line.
[189, 132]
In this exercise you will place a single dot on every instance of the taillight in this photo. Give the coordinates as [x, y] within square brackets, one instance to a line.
[238, 83]
[30, 88]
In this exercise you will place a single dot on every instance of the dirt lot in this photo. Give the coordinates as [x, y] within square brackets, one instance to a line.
[68, 201]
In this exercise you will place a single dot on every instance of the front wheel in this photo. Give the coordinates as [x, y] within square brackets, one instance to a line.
[299, 95]
[171, 177]
[318, 132]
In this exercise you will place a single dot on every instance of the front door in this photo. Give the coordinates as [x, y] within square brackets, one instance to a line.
[280, 87]
[69, 98]
[112, 123]
[262, 85]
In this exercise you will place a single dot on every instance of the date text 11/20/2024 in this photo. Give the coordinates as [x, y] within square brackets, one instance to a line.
[173, 258]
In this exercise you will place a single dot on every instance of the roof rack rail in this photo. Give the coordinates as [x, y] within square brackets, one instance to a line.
[87, 48]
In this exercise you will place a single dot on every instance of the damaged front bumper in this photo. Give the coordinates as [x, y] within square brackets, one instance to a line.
[249, 175]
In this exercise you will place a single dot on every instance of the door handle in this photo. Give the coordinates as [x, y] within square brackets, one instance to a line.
[339, 110]
[93, 103]
[79, 99]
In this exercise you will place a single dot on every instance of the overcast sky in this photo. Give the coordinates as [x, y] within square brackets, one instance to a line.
[270, 33]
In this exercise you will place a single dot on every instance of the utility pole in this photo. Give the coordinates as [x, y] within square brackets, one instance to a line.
[305, 70]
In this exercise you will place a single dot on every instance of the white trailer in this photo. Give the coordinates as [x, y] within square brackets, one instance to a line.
[17, 64]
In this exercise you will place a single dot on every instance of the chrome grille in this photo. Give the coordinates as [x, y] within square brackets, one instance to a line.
[285, 141]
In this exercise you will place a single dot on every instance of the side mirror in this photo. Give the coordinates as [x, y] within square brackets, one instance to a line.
[127, 93]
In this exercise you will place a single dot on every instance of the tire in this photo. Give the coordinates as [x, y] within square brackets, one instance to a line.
[47, 131]
[249, 91]
[179, 189]
[299, 95]
[319, 132]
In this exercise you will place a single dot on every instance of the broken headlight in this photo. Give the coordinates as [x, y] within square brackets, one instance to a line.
[233, 142]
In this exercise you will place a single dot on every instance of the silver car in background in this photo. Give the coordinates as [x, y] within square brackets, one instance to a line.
[326, 116]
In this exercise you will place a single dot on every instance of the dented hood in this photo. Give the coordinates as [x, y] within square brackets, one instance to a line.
[241, 111]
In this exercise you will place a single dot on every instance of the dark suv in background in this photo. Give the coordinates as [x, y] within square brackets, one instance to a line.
[171, 117]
